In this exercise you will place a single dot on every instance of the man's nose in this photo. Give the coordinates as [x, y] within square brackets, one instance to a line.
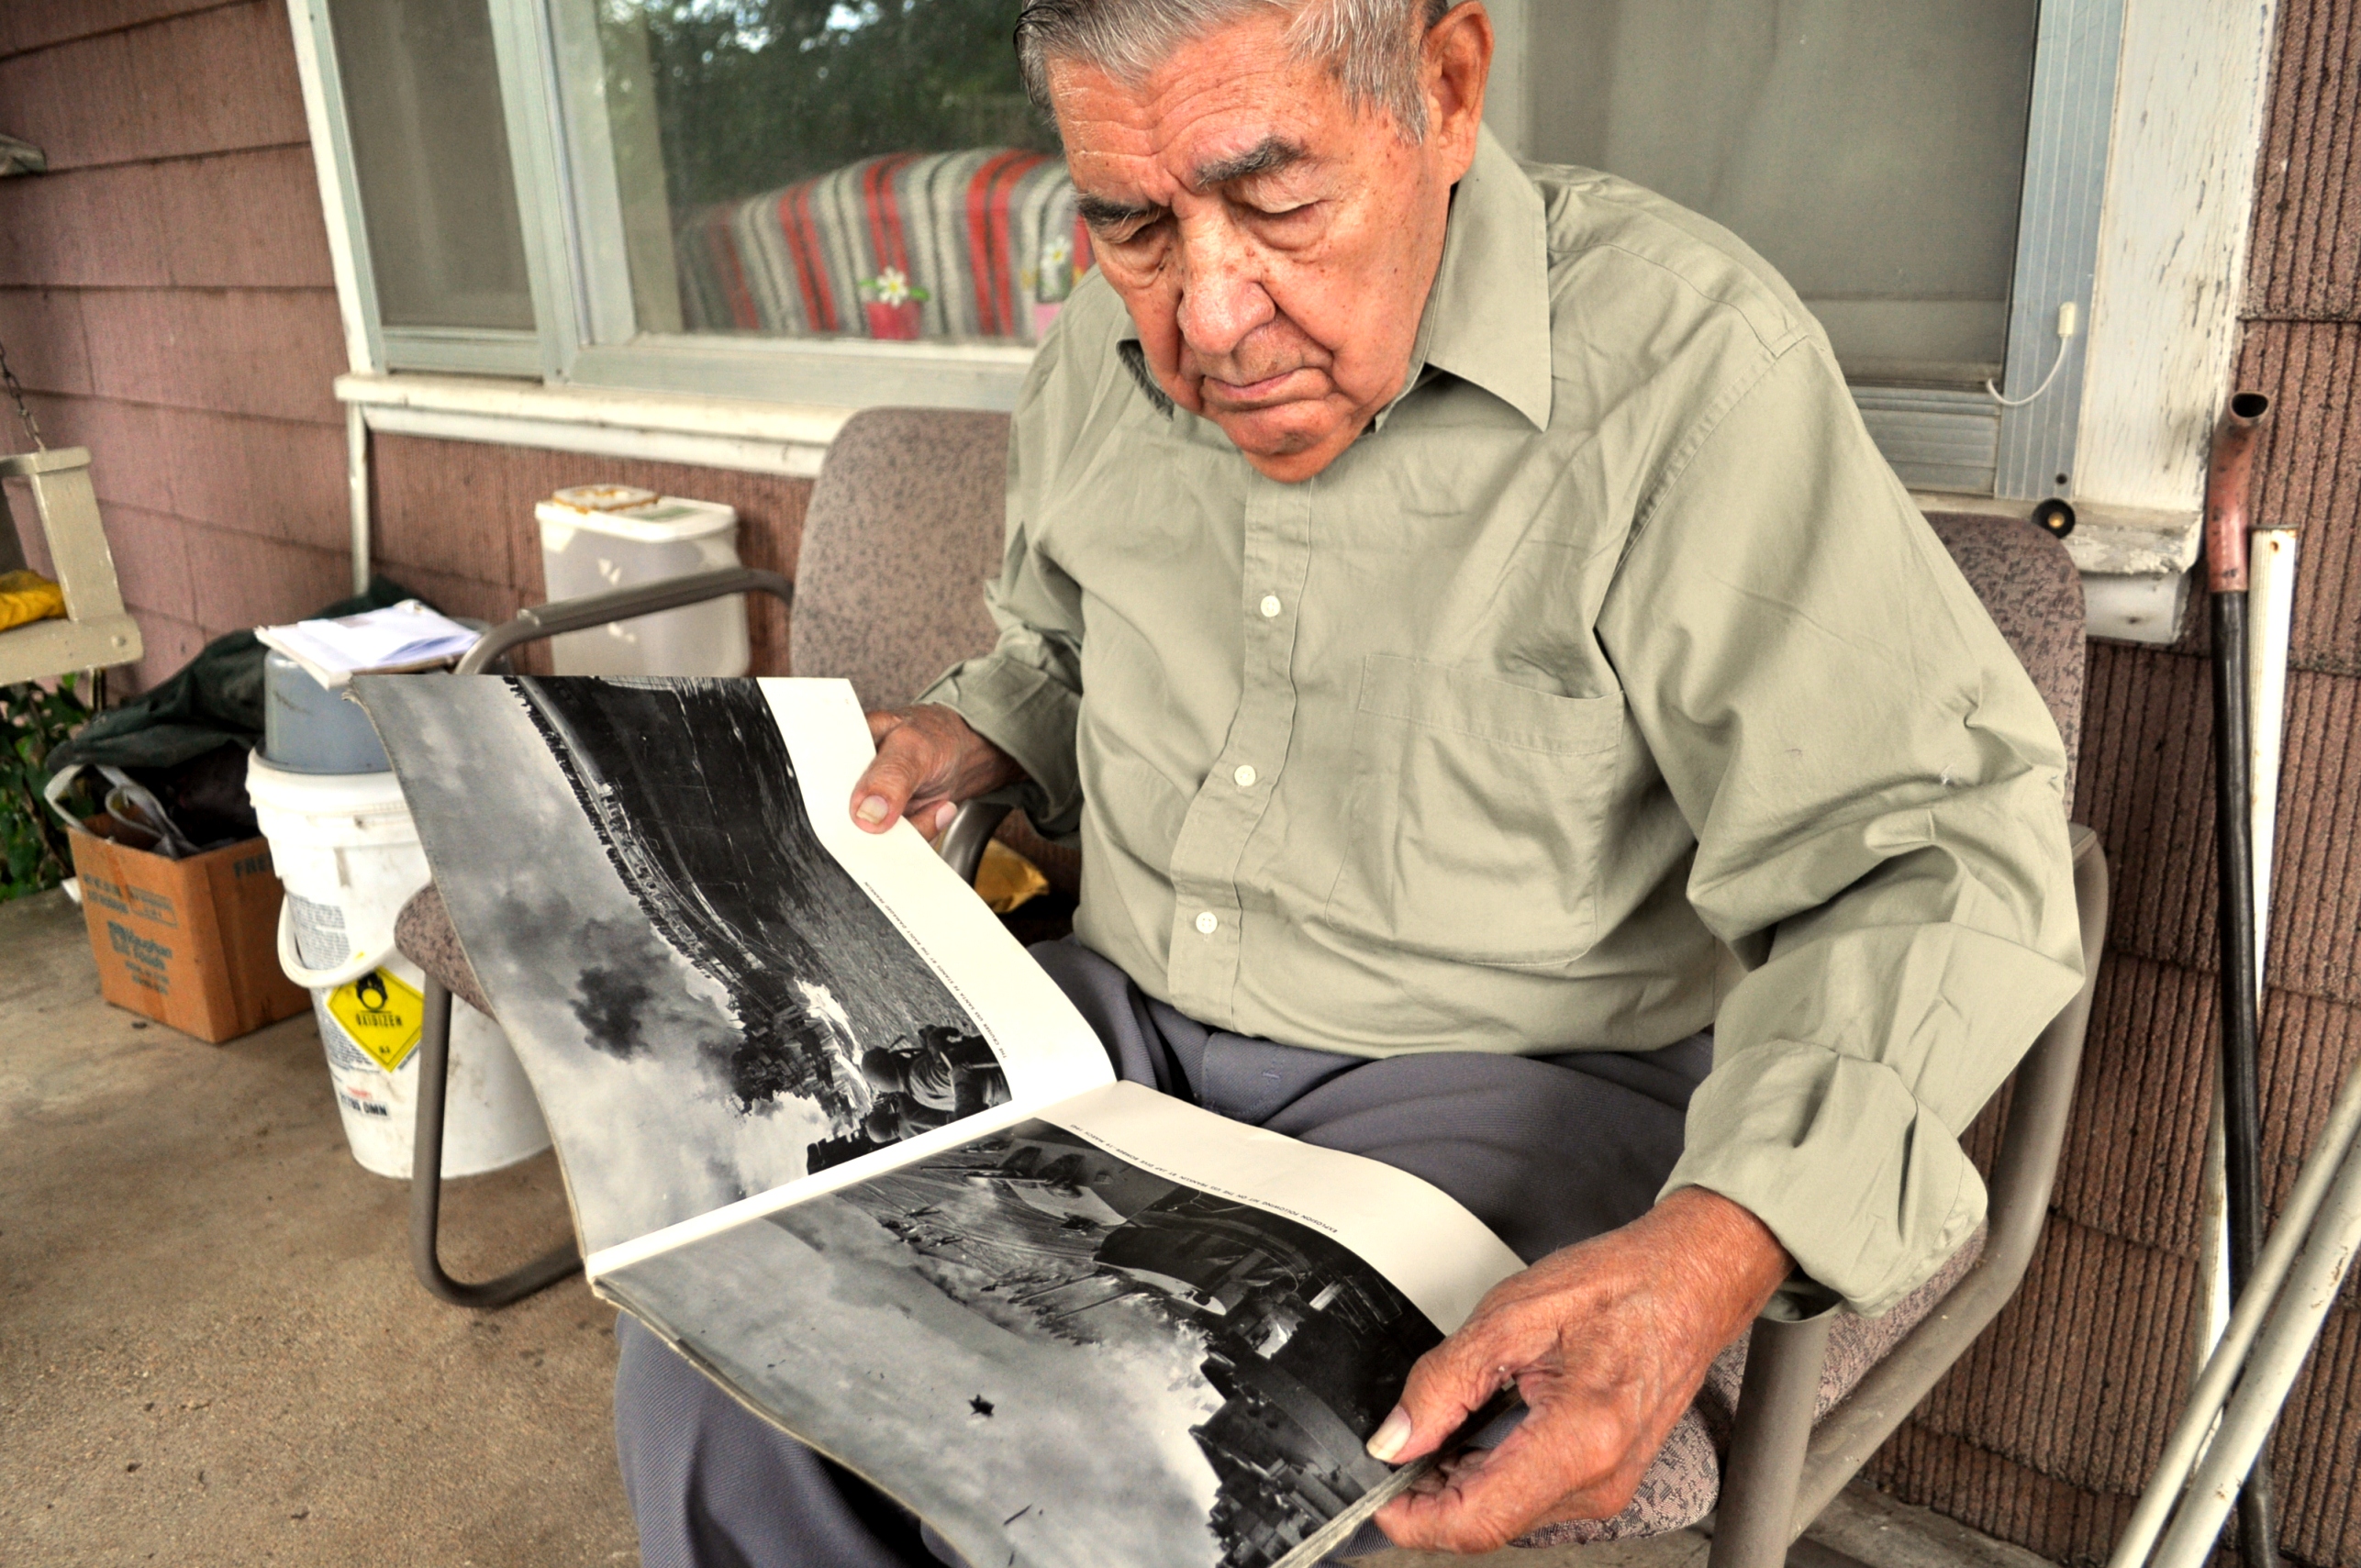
[1222, 297]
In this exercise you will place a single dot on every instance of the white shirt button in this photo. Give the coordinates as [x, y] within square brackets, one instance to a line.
[1270, 606]
[1207, 922]
[1245, 776]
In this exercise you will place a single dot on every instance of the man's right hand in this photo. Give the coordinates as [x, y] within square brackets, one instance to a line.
[928, 762]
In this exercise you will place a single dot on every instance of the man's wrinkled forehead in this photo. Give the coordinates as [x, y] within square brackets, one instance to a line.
[1227, 107]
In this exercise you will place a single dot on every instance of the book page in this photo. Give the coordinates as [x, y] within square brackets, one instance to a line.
[717, 985]
[1120, 1330]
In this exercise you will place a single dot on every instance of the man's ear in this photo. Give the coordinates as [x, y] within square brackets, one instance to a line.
[1457, 61]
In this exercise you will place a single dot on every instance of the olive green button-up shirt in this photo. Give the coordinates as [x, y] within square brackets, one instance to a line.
[1609, 687]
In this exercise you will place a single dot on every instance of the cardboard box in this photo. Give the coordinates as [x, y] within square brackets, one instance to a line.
[192, 943]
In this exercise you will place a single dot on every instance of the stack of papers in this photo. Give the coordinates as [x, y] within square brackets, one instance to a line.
[409, 636]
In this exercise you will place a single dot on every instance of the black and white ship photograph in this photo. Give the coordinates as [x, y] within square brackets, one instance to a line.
[1060, 1357]
[726, 1010]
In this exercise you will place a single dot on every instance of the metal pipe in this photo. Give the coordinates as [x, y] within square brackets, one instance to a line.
[620, 604]
[2271, 556]
[962, 844]
[2271, 1373]
[2223, 1370]
[1783, 1362]
[356, 487]
[2228, 480]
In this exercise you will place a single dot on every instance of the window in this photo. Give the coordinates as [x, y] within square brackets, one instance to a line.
[422, 93]
[1927, 174]
[868, 171]
[849, 202]
[443, 260]
[1871, 150]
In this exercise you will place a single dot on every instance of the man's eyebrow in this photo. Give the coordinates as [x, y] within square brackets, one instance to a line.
[1267, 156]
[1105, 212]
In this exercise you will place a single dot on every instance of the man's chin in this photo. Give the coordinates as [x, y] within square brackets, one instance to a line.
[1291, 441]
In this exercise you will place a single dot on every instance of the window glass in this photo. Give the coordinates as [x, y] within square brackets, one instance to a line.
[824, 168]
[1871, 150]
[431, 151]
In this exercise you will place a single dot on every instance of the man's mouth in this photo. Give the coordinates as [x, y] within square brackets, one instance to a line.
[1245, 395]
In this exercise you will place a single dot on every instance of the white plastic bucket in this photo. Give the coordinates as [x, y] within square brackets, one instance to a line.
[348, 854]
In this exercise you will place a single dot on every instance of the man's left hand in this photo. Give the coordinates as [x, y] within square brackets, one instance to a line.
[1608, 1341]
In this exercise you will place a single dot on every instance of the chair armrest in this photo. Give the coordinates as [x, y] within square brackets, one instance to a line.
[962, 844]
[2023, 1175]
[621, 604]
[1782, 1470]
[1768, 1439]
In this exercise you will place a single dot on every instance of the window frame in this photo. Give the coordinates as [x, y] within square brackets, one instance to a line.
[1953, 440]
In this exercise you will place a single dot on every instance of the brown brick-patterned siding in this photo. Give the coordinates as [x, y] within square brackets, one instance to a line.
[454, 521]
[2047, 1430]
[166, 297]
[165, 292]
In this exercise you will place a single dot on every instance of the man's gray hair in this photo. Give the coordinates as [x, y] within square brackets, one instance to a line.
[1371, 47]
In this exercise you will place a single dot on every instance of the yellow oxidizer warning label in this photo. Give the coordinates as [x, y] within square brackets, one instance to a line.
[383, 1016]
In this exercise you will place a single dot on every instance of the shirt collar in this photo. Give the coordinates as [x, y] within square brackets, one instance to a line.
[1488, 314]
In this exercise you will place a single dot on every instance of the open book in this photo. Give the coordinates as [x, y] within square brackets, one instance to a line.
[832, 1133]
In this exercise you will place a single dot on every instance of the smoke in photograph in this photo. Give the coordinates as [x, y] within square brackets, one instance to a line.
[673, 954]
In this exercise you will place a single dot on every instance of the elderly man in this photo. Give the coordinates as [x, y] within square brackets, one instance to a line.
[1460, 614]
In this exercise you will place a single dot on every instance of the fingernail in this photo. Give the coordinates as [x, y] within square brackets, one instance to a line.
[1390, 1437]
[872, 809]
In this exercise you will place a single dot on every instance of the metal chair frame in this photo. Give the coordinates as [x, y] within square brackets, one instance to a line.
[434, 1044]
[1783, 1469]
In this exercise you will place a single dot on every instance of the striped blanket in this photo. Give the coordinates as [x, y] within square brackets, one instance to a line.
[982, 244]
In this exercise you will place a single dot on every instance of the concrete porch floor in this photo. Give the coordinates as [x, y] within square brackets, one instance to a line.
[212, 1352]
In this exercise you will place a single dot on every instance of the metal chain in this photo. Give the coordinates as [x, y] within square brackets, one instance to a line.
[16, 396]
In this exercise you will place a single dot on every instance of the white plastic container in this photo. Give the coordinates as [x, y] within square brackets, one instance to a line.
[348, 854]
[595, 538]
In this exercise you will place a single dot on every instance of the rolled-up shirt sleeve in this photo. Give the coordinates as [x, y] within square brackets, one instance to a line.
[1025, 697]
[1876, 791]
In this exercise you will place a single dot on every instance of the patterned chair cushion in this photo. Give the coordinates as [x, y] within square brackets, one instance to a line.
[906, 525]
[983, 243]
[422, 934]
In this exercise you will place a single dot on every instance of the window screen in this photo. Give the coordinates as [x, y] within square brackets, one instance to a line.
[431, 151]
[1871, 150]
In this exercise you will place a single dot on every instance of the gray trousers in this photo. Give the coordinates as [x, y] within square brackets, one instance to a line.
[1547, 1151]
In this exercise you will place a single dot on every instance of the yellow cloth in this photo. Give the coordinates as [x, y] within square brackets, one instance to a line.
[27, 596]
[1005, 879]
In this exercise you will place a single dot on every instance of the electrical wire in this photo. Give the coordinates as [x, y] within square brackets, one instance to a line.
[2064, 346]
[2069, 318]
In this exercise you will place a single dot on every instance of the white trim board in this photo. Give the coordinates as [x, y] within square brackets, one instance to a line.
[709, 432]
[2172, 246]
[2134, 561]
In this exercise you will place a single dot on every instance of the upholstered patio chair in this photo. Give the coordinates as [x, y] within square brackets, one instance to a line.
[905, 524]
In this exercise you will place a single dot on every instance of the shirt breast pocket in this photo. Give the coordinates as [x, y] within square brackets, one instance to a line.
[1477, 814]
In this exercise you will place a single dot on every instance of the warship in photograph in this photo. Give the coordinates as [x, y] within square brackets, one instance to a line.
[692, 790]
[1306, 1344]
